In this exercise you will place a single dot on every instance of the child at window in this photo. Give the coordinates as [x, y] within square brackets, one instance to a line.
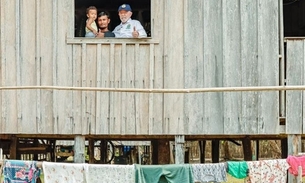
[91, 28]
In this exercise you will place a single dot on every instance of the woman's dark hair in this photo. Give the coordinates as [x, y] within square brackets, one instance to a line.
[103, 13]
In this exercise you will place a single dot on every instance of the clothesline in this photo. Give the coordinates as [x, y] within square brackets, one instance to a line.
[275, 169]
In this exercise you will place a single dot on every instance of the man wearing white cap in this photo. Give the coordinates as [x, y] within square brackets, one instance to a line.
[128, 28]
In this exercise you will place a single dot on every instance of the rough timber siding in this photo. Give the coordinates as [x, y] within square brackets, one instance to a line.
[231, 43]
[212, 43]
[295, 76]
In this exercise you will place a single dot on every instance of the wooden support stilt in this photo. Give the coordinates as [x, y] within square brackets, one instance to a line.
[179, 149]
[155, 154]
[160, 152]
[284, 148]
[202, 144]
[247, 149]
[104, 151]
[299, 178]
[13, 147]
[257, 150]
[91, 151]
[52, 149]
[215, 151]
[294, 148]
[79, 149]
[35, 157]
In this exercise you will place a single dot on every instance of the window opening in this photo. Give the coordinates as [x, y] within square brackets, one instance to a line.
[294, 18]
[141, 11]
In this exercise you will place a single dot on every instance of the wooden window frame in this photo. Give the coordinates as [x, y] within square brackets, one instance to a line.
[84, 40]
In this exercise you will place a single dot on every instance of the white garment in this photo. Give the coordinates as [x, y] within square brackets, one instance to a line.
[210, 172]
[110, 173]
[125, 30]
[268, 171]
[63, 172]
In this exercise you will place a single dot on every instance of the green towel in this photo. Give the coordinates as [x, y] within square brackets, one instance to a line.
[164, 173]
[238, 169]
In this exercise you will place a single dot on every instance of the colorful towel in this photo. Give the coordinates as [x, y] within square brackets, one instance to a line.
[238, 169]
[210, 172]
[268, 171]
[63, 172]
[164, 174]
[17, 171]
[294, 163]
[110, 173]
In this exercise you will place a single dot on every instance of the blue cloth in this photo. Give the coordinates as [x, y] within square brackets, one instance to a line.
[16, 171]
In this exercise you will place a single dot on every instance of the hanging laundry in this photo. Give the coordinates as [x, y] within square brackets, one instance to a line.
[210, 172]
[295, 162]
[63, 172]
[110, 173]
[164, 173]
[238, 169]
[268, 171]
[20, 171]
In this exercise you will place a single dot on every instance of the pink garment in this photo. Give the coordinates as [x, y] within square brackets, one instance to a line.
[268, 171]
[294, 163]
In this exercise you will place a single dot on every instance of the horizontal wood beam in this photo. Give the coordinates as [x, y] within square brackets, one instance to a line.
[150, 137]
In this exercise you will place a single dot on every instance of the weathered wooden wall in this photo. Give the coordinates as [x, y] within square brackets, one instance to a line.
[295, 76]
[194, 44]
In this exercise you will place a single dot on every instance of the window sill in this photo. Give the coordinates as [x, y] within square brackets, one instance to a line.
[112, 41]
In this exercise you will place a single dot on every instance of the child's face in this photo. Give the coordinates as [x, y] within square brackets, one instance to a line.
[92, 14]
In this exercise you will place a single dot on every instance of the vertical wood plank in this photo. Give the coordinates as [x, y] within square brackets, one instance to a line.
[64, 68]
[112, 125]
[125, 101]
[9, 52]
[151, 86]
[116, 124]
[158, 33]
[99, 71]
[46, 69]
[213, 66]
[1, 57]
[193, 66]
[249, 63]
[142, 74]
[303, 93]
[77, 95]
[268, 66]
[26, 68]
[103, 98]
[173, 67]
[295, 69]
[54, 60]
[85, 126]
[90, 78]
[38, 65]
[130, 104]
[232, 66]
